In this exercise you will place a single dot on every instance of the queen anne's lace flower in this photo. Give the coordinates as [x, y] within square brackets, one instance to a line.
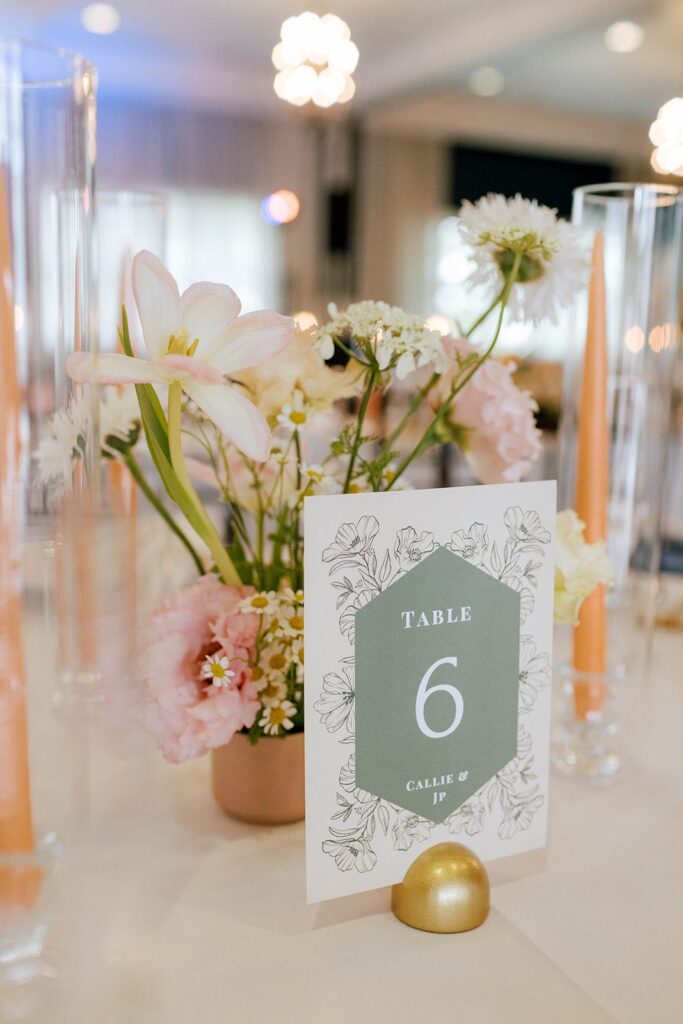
[396, 338]
[553, 262]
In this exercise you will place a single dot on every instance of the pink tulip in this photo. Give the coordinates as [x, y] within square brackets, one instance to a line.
[195, 339]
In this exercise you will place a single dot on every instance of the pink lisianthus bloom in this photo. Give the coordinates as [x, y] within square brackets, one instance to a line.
[501, 440]
[187, 712]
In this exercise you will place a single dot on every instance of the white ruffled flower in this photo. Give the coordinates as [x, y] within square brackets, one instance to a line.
[579, 567]
[397, 339]
[119, 414]
[66, 436]
[554, 262]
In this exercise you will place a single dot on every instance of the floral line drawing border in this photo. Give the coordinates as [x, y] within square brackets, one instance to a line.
[358, 576]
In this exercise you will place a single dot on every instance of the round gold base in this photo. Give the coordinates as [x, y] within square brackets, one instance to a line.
[445, 890]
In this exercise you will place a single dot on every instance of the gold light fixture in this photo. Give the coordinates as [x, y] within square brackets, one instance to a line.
[315, 60]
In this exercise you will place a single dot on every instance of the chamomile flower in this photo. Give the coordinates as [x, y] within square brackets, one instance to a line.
[552, 262]
[297, 413]
[292, 596]
[271, 691]
[318, 480]
[276, 716]
[290, 623]
[217, 670]
[262, 603]
[274, 660]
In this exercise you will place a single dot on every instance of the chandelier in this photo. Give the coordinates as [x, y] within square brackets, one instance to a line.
[667, 135]
[315, 60]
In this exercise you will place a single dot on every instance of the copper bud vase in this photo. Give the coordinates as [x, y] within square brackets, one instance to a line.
[262, 783]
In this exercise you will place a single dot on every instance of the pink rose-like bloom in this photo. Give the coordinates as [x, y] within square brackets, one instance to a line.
[502, 439]
[187, 714]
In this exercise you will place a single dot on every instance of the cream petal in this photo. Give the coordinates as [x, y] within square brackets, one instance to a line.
[158, 302]
[250, 340]
[206, 310]
[111, 368]
[238, 419]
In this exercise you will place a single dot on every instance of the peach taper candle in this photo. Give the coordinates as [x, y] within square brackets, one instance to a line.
[592, 489]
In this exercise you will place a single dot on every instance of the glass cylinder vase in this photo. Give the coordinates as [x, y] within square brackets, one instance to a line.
[47, 123]
[642, 228]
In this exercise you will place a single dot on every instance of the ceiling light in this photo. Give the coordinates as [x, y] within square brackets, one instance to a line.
[315, 59]
[667, 135]
[624, 37]
[486, 81]
[437, 322]
[102, 19]
[305, 320]
[281, 207]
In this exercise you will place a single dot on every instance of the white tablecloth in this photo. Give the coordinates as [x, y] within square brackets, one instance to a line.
[170, 913]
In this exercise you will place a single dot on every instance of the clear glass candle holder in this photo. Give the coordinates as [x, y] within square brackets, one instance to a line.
[26, 909]
[642, 228]
[589, 747]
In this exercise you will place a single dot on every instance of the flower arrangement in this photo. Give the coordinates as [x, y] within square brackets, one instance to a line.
[244, 391]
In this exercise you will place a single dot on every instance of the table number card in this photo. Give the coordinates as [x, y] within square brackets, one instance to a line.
[428, 650]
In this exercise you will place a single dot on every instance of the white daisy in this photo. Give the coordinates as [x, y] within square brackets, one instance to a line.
[262, 603]
[318, 480]
[296, 413]
[274, 660]
[553, 265]
[272, 690]
[217, 670]
[276, 716]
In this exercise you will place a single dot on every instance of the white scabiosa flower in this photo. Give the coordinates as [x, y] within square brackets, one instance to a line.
[62, 443]
[66, 435]
[553, 261]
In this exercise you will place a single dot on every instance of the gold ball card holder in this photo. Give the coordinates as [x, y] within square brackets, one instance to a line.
[445, 890]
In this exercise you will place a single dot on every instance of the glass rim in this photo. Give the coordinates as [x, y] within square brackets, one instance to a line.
[78, 66]
[111, 194]
[619, 190]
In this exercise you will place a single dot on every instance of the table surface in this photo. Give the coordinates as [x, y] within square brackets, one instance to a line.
[167, 912]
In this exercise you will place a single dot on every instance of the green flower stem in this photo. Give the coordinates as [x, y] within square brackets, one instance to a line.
[207, 530]
[370, 387]
[412, 409]
[429, 436]
[137, 474]
[486, 313]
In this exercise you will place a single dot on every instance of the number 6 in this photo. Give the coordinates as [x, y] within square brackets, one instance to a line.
[424, 692]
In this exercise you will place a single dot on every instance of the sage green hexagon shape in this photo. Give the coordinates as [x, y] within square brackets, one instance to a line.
[405, 752]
